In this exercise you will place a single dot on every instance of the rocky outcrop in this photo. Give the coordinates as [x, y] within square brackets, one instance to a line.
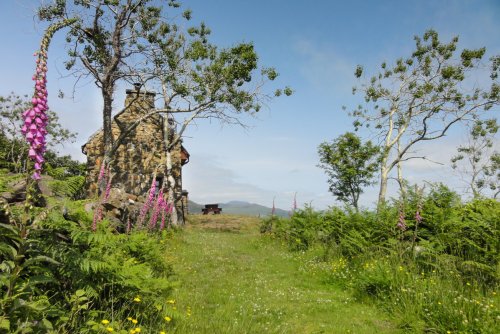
[16, 193]
[120, 208]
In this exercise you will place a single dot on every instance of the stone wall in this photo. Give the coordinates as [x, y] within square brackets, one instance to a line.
[141, 157]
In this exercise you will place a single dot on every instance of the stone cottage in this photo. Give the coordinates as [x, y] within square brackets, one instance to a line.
[143, 154]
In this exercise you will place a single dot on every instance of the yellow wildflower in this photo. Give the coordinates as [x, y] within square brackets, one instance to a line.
[129, 318]
[168, 319]
[163, 332]
[105, 322]
[134, 321]
[137, 329]
[137, 299]
[171, 301]
[109, 329]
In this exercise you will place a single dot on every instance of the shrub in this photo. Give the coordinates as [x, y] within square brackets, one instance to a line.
[439, 276]
[69, 276]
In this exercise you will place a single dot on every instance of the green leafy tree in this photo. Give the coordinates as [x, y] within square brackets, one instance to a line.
[350, 166]
[133, 41]
[199, 80]
[422, 96]
[102, 44]
[477, 161]
[130, 40]
[14, 149]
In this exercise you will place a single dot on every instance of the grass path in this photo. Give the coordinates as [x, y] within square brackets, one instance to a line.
[232, 280]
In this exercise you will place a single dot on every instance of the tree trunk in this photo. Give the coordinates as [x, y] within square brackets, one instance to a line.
[170, 143]
[355, 205]
[355, 199]
[400, 174]
[402, 188]
[171, 188]
[107, 94]
[384, 173]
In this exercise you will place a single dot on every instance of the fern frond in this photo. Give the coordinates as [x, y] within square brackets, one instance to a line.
[71, 187]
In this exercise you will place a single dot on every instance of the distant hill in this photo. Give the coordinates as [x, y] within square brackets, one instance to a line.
[194, 208]
[239, 208]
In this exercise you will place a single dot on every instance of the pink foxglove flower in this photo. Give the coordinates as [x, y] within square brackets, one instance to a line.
[156, 210]
[101, 172]
[418, 217]
[166, 210]
[163, 216]
[147, 204]
[35, 118]
[401, 221]
[108, 188]
[97, 218]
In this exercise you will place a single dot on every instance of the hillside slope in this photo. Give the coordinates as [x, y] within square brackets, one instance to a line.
[240, 208]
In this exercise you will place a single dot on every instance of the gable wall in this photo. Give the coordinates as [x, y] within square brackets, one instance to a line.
[137, 160]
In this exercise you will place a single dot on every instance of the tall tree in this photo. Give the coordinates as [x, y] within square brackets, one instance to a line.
[350, 166]
[199, 80]
[131, 40]
[104, 44]
[421, 97]
[477, 161]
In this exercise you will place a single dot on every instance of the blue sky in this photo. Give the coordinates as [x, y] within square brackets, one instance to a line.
[315, 46]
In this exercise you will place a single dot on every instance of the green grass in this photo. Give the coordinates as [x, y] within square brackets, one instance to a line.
[232, 280]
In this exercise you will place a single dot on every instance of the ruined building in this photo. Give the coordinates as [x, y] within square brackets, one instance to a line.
[143, 154]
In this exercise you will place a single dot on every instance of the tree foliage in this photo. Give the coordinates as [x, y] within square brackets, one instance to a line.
[102, 44]
[137, 41]
[350, 166]
[478, 161]
[420, 97]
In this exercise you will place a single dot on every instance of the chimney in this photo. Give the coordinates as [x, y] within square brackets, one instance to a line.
[138, 96]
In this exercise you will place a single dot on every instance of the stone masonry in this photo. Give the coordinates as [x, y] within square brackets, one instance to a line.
[143, 154]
